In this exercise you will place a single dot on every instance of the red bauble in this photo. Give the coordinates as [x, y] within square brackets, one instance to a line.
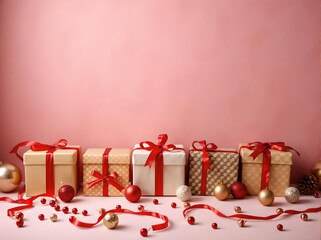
[19, 215]
[155, 201]
[187, 205]
[66, 193]
[43, 200]
[280, 227]
[143, 232]
[65, 210]
[214, 225]
[133, 193]
[173, 205]
[19, 222]
[52, 203]
[141, 208]
[72, 218]
[191, 220]
[118, 207]
[41, 217]
[316, 195]
[238, 190]
[57, 208]
[84, 212]
[74, 210]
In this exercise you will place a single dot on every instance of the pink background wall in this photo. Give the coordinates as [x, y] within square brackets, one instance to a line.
[113, 73]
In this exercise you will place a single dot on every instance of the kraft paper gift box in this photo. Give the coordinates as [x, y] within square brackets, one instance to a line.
[65, 163]
[173, 171]
[224, 165]
[280, 171]
[118, 160]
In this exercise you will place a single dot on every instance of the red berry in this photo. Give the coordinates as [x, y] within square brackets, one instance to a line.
[43, 200]
[41, 217]
[74, 210]
[19, 222]
[65, 210]
[143, 232]
[52, 203]
[72, 218]
[187, 205]
[118, 207]
[191, 220]
[141, 208]
[155, 201]
[19, 215]
[214, 225]
[84, 212]
[173, 205]
[280, 227]
[316, 195]
[57, 208]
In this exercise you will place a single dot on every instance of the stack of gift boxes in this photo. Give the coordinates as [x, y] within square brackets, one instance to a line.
[157, 168]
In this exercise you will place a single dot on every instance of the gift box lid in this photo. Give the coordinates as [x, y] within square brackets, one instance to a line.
[176, 157]
[115, 156]
[230, 150]
[277, 157]
[61, 156]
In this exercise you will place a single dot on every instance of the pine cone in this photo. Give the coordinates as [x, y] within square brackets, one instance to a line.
[308, 184]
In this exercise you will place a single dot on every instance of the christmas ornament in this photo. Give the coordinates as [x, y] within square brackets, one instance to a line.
[266, 197]
[308, 184]
[41, 217]
[183, 193]
[238, 190]
[141, 208]
[221, 191]
[316, 171]
[10, 177]
[102, 211]
[143, 232]
[238, 209]
[118, 207]
[65, 210]
[111, 220]
[72, 218]
[52, 203]
[53, 217]
[304, 217]
[292, 194]
[57, 208]
[19, 222]
[279, 210]
[214, 225]
[155, 201]
[66, 193]
[187, 205]
[18, 215]
[316, 195]
[74, 210]
[173, 205]
[241, 223]
[43, 200]
[133, 193]
[84, 212]
[191, 220]
[279, 227]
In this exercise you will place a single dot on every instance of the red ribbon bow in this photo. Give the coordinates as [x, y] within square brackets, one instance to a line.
[109, 179]
[156, 155]
[206, 148]
[260, 147]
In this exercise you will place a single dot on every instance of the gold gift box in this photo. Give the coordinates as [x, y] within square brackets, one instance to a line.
[65, 170]
[280, 171]
[118, 161]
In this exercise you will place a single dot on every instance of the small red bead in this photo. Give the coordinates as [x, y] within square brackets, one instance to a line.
[143, 232]
[41, 217]
[280, 227]
[173, 205]
[191, 220]
[316, 195]
[52, 203]
[65, 210]
[74, 210]
[19, 215]
[214, 225]
[84, 212]
[141, 208]
[118, 207]
[187, 205]
[155, 201]
[57, 208]
[19, 222]
[43, 200]
[72, 218]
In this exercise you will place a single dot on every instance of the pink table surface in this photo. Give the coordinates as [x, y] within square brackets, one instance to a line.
[130, 225]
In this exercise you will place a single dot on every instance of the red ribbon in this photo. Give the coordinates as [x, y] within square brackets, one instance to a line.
[156, 227]
[156, 155]
[260, 147]
[206, 148]
[246, 216]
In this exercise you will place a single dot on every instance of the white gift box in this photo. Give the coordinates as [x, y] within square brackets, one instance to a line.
[173, 171]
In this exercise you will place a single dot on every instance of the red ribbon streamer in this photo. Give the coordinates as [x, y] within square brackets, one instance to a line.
[260, 147]
[206, 148]
[156, 155]
[156, 227]
[246, 216]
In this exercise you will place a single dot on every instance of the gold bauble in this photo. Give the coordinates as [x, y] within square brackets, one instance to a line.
[304, 217]
[279, 210]
[316, 171]
[10, 177]
[102, 210]
[241, 222]
[221, 191]
[53, 217]
[111, 220]
[266, 197]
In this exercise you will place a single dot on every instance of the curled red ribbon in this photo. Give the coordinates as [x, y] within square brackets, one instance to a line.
[206, 148]
[260, 147]
[156, 155]
[246, 216]
[156, 227]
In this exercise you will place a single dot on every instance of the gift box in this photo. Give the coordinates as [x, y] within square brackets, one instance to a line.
[105, 171]
[158, 169]
[222, 165]
[43, 173]
[267, 167]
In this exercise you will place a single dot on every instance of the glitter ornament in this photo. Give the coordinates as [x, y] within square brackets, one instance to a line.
[238, 190]
[183, 193]
[292, 194]
[66, 193]
[111, 220]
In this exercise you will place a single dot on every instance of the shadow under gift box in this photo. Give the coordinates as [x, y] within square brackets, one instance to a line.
[65, 170]
[280, 171]
[173, 171]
